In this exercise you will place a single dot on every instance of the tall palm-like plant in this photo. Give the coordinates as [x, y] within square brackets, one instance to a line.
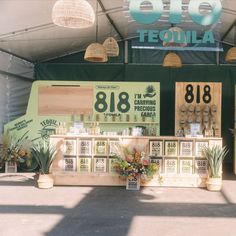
[215, 156]
[44, 155]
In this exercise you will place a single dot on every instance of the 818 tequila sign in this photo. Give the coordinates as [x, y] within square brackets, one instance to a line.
[127, 102]
[198, 103]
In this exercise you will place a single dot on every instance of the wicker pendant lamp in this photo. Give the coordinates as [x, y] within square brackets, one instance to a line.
[73, 14]
[96, 52]
[177, 34]
[112, 47]
[231, 55]
[172, 60]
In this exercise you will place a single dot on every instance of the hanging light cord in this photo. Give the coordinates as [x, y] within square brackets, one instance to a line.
[96, 21]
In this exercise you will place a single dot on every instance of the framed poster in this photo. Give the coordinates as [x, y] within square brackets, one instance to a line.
[199, 146]
[215, 142]
[84, 164]
[186, 166]
[171, 166]
[201, 166]
[171, 148]
[111, 165]
[70, 164]
[186, 148]
[156, 148]
[100, 147]
[159, 162]
[99, 165]
[85, 147]
[113, 146]
[69, 147]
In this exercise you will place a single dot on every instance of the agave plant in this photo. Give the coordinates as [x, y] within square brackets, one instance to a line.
[44, 155]
[215, 156]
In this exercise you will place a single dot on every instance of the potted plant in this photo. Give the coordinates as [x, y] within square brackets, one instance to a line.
[15, 152]
[134, 166]
[215, 156]
[44, 155]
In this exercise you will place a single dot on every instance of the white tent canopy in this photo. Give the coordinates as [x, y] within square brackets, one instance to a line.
[26, 27]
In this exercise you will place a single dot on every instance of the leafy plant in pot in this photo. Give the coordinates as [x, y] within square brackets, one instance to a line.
[44, 155]
[215, 156]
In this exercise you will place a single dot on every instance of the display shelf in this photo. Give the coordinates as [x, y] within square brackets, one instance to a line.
[95, 161]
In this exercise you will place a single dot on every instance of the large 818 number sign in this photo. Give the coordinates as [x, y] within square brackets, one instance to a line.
[198, 95]
[102, 100]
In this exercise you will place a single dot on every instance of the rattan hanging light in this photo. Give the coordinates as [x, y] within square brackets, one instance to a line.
[176, 35]
[112, 47]
[231, 55]
[96, 52]
[172, 60]
[73, 14]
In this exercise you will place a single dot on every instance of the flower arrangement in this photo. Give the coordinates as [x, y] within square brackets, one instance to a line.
[131, 164]
[16, 149]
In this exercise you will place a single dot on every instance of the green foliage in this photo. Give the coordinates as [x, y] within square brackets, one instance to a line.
[215, 156]
[44, 155]
[16, 149]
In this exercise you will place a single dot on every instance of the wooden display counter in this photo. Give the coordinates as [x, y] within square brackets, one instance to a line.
[87, 160]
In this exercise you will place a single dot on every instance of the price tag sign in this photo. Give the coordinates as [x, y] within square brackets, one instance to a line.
[124, 102]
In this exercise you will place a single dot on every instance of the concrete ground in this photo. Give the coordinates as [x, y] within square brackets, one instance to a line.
[113, 211]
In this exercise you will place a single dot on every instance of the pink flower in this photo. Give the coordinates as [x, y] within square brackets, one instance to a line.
[145, 162]
[129, 158]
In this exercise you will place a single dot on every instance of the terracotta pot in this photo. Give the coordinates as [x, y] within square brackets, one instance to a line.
[45, 181]
[214, 184]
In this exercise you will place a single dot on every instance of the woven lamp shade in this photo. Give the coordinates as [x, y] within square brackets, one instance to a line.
[96, 52]
[73, 14]
[172, 60]
[231, 55]
[112, 47]
[180, 35]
